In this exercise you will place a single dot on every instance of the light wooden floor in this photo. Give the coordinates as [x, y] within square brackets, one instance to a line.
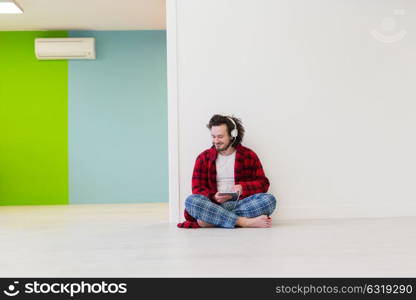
[136, 240]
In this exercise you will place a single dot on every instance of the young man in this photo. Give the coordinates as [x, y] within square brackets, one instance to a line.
[228, 167]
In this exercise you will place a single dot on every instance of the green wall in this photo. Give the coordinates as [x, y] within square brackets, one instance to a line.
[33, 123]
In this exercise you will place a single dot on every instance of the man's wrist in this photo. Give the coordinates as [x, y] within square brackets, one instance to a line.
[242, 188]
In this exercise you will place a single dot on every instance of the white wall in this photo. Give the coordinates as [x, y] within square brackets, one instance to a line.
[328, 103]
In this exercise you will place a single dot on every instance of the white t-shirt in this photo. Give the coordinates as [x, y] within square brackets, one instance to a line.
[225, 172]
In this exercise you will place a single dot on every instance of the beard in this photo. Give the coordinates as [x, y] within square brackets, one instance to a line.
[222, 147]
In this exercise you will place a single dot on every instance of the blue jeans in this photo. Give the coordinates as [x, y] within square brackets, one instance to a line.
[225, 215]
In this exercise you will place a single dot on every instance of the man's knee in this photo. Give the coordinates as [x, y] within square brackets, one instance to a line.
[270, 201]
[192, 200]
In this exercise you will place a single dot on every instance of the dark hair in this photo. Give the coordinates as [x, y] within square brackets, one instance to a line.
[218, 120]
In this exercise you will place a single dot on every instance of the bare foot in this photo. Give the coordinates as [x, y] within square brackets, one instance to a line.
[262, 221]
[204, 224]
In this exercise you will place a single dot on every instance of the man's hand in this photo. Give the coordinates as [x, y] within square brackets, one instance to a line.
[238, 188]
[221, 199]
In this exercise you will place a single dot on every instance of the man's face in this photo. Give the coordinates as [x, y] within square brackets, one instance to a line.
[220, 137]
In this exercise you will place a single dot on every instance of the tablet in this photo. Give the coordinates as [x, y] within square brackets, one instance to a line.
[234, 196]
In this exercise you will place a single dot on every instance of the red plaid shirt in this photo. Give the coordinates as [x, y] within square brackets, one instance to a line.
[248, 172]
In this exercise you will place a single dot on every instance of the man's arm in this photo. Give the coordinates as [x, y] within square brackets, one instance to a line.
[259, 183]
[200, 178]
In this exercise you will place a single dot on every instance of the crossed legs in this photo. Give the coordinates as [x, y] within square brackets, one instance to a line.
[252, 211]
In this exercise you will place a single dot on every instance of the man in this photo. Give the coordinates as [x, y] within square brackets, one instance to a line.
[228, 167]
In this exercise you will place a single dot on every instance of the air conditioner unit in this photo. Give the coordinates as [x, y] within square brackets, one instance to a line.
[65, 48]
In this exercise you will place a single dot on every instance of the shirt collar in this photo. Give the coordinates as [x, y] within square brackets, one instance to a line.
[213, 153]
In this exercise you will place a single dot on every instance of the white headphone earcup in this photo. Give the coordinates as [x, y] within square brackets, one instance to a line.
[234, 132]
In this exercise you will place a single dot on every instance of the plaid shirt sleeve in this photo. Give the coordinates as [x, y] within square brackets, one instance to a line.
[200, 177]
[259, 182]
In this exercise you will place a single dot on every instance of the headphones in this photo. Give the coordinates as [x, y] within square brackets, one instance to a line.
[234, 132]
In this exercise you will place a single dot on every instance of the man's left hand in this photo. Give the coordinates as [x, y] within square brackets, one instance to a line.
[238, 188]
